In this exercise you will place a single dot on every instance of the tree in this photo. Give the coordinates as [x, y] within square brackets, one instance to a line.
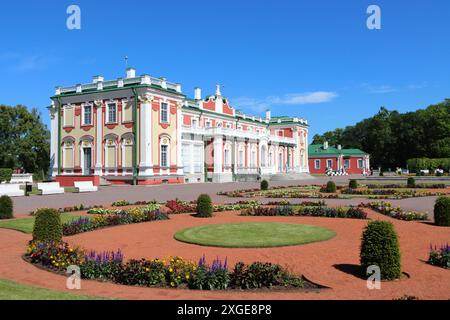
[391, 138]
[25, 139]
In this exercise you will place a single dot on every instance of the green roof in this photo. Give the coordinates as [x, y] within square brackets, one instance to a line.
[318, 150]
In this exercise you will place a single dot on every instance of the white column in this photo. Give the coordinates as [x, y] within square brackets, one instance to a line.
[54, 148]
[180, 170]
[99, 138]
[145, 132]
[218, 146]
[297, 154]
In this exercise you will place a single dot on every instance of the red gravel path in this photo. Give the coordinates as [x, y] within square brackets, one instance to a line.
[316, 261]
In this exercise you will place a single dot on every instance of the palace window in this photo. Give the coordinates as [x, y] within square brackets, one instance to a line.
[317, 164]
[111, 153]
[241, 158]
[360, 163]
[194, 123]
[329, 163]
[346, 163]
[164, 112]
[68, 153]
[127, 150]
[164, 156]
[87, 115]
[208, 124]
[112, 113]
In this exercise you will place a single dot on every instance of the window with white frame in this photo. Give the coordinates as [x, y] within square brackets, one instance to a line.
[226, 157]
[241, 158]
[111, 113]
[317, 164]
[329, 163]
[87, 115]
[360, 163]
[194, 123]
[164, 155]
[208, 124]
[347, 163]
[164, 112]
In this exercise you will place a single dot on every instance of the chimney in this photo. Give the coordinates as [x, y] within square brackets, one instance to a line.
[198, 93]
[96, 79]
[268, 114]
[131, 73]
[325, 145]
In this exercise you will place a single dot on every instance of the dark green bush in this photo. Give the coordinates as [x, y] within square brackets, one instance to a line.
[331, 187]
[264, 185]
[353, 184]
[47, 225]
[6, 208]
[381, 174]
[442, 211]
[5, 174]
[411, 182]
[380, 247]
[204, 206]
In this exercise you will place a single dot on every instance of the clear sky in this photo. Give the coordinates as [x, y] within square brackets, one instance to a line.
[313, 59]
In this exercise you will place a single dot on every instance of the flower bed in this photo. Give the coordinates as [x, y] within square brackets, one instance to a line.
[134, 215]
[75, 208]
[315, 211]
[178, 206]
[440, 256]
[172, 272]
[387, 209]
[404, 186]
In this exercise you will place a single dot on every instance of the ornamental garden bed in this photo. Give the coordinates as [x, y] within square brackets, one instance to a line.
[319, 192]
[387, 209]
[172, 272]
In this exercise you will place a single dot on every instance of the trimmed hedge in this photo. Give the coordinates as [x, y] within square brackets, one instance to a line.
[353, 184]
[47, 226]
[204, 206]
[5, 174]
[264, 185]
[6, 208]
[411, 183]
[442, 211]
[380, 247]
[331, 187]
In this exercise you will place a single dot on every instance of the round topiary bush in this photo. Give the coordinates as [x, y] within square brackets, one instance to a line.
[331, 187]
[264, 185]
[353, 184]
[442, 211]
[47, 225]
[411, 182]
[204, 206]
[380, 247]
[6, 208]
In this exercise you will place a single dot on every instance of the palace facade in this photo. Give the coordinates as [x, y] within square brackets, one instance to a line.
[144, 130]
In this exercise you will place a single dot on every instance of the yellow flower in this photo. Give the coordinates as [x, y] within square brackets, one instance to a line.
[170, 270]
[187, 276]
[172, 284]
[147, 269]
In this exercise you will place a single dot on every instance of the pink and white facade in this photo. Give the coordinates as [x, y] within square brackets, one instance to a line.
[144, 130]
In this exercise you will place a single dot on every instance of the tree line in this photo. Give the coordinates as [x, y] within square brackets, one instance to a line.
[391, 138]
[24, 140]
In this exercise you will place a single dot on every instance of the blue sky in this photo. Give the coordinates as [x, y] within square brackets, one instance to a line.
[314, 59]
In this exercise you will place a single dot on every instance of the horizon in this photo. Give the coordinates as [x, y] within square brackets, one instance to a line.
[317, 61]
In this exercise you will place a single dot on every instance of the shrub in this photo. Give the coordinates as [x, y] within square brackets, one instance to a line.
[6, 208]
[264, 185]
[47, 225]
[381, 174]
[331, 187]
[442, 211]
[380, 247]
[353, 184]
[204, 206]
[5, 174]
[411, 183]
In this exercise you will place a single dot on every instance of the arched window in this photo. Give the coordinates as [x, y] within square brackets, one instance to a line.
[68, 151]
[164, 153]
[263, 155]
[111, 151]
[86, 147]
[227, 155]
[241, 156]
[127, 150]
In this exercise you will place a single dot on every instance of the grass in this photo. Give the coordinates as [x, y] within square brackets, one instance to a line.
[14, 291]
[254, 235]
[35, 190]
[26, 225]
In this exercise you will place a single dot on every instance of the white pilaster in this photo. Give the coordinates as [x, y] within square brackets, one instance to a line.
[99, 138]
[54, 148]
[180, 170]
[145, 129]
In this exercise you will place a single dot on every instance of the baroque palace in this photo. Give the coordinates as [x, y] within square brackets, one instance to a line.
[144, 130]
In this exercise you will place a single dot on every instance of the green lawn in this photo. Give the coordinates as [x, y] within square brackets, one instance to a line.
[26, 225]
[14, 291]
[35, 190]
[254, 235]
